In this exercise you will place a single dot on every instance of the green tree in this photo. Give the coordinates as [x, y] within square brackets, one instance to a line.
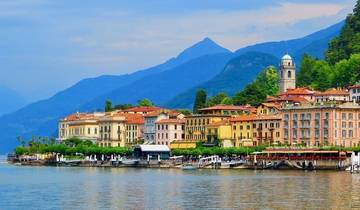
[304, 75]
[145, 102]
[108, 106]
[123, 106]
[216, 99]
[346, 72]
[227, 101]
[348, 42]
[200, 100]
[265, 84]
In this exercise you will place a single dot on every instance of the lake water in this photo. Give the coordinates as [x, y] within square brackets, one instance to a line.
[125, 188]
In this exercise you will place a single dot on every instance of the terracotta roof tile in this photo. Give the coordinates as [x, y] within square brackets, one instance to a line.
[298, 91]
[142, 109]
[226, 107]
[332, 91]
[171, 121]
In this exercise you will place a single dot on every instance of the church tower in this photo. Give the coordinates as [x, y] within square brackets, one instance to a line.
[287, 74]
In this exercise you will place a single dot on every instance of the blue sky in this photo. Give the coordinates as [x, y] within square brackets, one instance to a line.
[48, 45]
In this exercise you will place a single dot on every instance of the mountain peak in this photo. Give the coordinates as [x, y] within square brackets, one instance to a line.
[205, 47]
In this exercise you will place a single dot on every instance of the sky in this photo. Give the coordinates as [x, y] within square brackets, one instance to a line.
[48, 45]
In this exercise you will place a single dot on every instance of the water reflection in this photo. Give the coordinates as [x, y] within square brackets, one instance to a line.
[101, 188]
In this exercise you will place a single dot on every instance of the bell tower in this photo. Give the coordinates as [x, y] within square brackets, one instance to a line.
[287, 73]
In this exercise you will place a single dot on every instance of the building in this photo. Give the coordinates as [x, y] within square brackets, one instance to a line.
[169, 130]
[219, 133]
[152, 152]
[80, 125]
[112, 130]
[134, 128]
[141, 110]
[242, 130]
[195, 126]
[354, 92]
[316, 125]
[333, 94]
[152, 117]
[227, 110]
[300, 92]
[268, 108]
[287, 74]
[267, 130]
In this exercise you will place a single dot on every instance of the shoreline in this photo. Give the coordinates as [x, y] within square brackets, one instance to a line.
[154, 165]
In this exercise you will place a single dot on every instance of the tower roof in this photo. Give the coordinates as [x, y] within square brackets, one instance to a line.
[286, 57]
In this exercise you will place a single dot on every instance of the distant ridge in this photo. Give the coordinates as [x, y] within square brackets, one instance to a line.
[238, 72]
[40, 118]
[297, 47]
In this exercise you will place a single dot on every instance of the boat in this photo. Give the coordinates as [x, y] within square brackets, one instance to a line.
[130, 162]
[188, 167]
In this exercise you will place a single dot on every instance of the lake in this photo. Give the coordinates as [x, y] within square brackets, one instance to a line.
[129, 188]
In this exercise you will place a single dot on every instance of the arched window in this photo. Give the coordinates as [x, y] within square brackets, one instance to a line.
[282, 75]
[289, 74]
[289, 63]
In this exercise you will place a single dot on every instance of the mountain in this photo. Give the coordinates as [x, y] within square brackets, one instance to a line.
[238, 72]
[161, 87]
[10, 100]
[40, 118]
[194, 67]
[314, 44]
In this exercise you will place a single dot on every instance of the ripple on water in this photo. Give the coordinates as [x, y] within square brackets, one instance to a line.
[98, 188]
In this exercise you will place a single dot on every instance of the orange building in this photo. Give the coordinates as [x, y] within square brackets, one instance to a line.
[317, 125]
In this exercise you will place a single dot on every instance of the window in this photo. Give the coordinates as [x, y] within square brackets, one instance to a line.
[175, 127]
[343, 116]
[350, 116]
[289, 73]
[88, 130]
[343, 133]
[175, 136]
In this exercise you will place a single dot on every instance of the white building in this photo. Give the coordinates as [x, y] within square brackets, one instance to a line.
[287, 74]
[355, 92]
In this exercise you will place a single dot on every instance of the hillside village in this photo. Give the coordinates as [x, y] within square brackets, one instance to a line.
[296, 116]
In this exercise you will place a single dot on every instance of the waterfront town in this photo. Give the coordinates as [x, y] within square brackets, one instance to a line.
[297, 116]
[298, 128]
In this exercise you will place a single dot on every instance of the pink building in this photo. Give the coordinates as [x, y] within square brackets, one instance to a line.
[318, 125]
[169, 130]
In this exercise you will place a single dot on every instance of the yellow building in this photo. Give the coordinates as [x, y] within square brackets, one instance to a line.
[219, 133]
[268, 108]
[195, 126]
[80, 125]
[112, 130]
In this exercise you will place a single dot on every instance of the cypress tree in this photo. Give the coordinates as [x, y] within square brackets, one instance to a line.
[200, 100]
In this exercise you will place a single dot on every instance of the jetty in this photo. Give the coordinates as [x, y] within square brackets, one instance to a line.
[299, 158]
